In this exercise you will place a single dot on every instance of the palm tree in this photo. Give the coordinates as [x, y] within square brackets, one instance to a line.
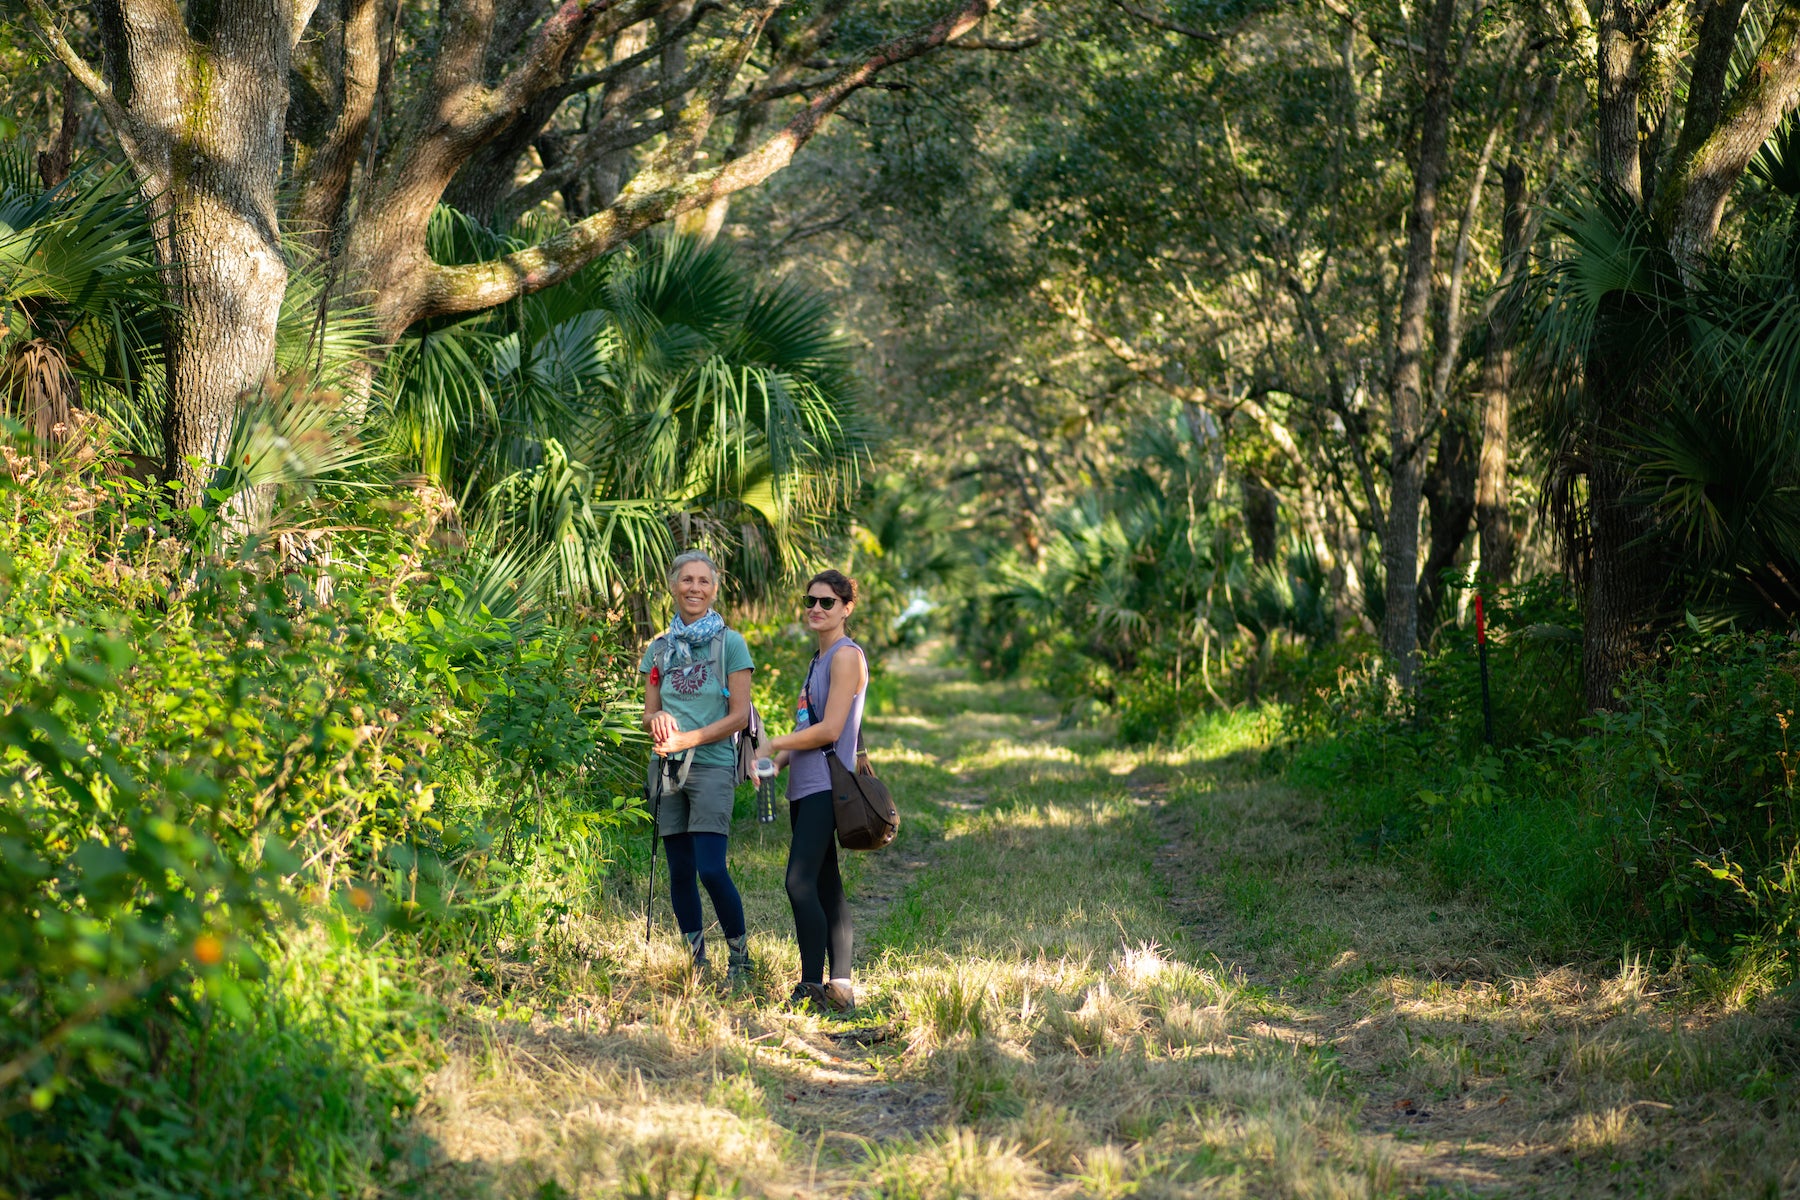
[80, 296]
[1709, 456]
[1152, 563]
[657, 396]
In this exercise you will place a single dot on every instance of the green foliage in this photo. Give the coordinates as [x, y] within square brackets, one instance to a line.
[657, 397]
[1145, 596]
[80, 298]
[112, 885]
[1671, 820]
[1699, 407]
[197, 749]
[910, 554]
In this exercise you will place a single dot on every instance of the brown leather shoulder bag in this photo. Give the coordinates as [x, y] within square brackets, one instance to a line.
[861, 804]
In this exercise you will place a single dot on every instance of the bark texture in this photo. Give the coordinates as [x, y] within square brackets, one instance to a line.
[1406, 424]
[1619, 52]
[200, 107]
[326, 170]
[1694, 197]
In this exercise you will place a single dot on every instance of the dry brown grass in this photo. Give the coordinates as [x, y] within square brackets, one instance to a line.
[1093, 973]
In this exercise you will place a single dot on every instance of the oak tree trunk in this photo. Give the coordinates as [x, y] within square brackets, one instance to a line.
[1493, 498]
[1619, 52]
[1450, 499]
[1406, 425]
[200, 107]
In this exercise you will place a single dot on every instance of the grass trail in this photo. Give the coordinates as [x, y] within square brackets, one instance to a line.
[1091, 972]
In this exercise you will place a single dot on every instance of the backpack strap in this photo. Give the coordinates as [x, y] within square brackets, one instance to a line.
[715, 654]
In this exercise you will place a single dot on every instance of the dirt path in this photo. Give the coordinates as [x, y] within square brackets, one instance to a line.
[1092, 972]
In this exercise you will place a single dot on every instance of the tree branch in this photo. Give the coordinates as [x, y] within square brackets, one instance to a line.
[1188, 31]
[564, 30]
[587, 83]
[1706, 83]
[1693, 199]
[1001, 47]
[664, 190]
[1382, 41]
[45, 26]
[325, 191]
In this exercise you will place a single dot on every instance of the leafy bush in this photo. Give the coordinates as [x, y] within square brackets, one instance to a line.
[1671, 819]
[198, 749]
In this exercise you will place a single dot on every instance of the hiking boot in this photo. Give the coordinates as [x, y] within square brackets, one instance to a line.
[808, 997]
[697, 947]
[838, 995]
[737, 963]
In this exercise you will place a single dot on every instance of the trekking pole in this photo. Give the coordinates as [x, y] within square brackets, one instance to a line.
[1487, 704]
[654, 800]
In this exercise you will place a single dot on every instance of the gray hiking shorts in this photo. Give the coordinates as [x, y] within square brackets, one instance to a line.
[702, 806]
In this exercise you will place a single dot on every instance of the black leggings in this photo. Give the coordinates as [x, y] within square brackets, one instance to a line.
[814, 888]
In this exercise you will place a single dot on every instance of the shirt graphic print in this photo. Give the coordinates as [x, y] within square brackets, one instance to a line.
[694, 697]
[689, 680]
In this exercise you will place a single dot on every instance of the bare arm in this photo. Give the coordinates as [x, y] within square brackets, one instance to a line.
[658, 723]
[848, 675]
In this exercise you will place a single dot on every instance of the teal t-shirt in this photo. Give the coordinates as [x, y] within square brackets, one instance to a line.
[695, 699]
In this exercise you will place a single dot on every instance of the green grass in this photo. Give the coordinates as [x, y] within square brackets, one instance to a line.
[1090, 971]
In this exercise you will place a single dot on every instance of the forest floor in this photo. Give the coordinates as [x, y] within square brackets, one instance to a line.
[1100, 972]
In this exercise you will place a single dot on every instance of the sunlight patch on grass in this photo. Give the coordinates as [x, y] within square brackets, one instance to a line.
[1099, 972]
[953, 1164]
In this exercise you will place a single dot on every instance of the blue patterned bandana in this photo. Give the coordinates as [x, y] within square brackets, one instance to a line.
[683, 639]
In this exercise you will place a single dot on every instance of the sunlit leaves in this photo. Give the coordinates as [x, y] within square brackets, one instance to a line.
[656, 397]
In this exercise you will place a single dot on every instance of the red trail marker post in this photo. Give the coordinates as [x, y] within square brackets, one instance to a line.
[1487, 704]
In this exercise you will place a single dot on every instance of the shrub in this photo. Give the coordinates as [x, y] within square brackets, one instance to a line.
[197, 749]
[1670, 819]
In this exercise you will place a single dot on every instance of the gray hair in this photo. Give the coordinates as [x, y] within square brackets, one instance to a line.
[691, 556]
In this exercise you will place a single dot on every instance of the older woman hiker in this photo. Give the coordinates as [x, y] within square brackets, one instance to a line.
[829, 715]
[696, 696]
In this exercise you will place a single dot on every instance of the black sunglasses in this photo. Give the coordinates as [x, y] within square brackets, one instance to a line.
[824, 602]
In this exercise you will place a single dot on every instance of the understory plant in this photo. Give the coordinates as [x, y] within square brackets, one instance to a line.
[1668, 821]
[224, 738]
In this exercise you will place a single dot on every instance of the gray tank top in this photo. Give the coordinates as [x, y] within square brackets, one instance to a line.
[808, 772]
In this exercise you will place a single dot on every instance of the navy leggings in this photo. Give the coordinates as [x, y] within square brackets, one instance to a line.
[816, 890]
[702, 856]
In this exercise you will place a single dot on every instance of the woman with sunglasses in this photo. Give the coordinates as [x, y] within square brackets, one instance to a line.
[828, 717]
[696, 697]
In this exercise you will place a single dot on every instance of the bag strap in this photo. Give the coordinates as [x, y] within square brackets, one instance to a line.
[659, 648]
[681, 775]
[715, 654]
[812, 718]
